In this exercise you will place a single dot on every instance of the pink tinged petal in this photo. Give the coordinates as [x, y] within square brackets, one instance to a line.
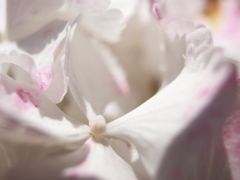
[211, 162]
[231, 140]
[179, 116]
[156, 10]
[26, 111]
[59, 82]
[95, 77]
[43, 62]
[48, 39]
[175, 27]
[157, 7]
[43, 78]
[53, 77]
[102, 162]
[25, 17]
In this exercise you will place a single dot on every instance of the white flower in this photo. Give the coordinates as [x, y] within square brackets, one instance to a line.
[161, 139]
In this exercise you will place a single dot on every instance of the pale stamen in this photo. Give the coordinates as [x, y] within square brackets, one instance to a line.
[98, 125]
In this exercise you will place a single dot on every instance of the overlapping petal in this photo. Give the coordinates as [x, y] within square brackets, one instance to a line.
[231, 140]
[43, 62]
[95, 77]
[49, 167]
[139, 55]
[187, 112]
[27, 17]
[102, 162]
[28, 115]
[173, 47]
[182, 41]
[95, 18]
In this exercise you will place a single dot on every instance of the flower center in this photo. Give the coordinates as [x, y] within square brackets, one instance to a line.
[98, 125]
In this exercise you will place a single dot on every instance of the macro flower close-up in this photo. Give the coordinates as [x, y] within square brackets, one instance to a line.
[119, 90]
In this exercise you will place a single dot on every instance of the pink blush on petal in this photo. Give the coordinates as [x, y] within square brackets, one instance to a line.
[123, 88]
[25, 99]
[43, 80]
[156, 11]
[204, 92]
[54, 50]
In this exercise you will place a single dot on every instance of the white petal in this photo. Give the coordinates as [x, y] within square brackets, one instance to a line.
[95, 77]
[131, 156]
[102, 162]
[201, 36]
[27, 114]
[176, 27]
[139, 55]
[27, 16]
[95, 18]
[126, 6]
[231, 139]
[182, 8]
[69, 106]
[42, 47]
[211, 162]
[20, 59]
[36, 55]
[59, 82]
[195, 100]
[99, 24]
[2, 18]
[48, 167]
[173, 54]
[182, 42]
